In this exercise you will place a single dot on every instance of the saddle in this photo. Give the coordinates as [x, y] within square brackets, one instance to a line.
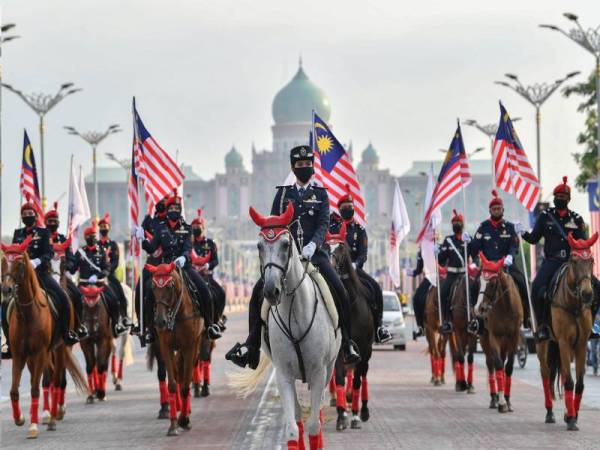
[194, 293]
[553, 285]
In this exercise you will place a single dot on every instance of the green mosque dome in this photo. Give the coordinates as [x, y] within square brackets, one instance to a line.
[233, 159]
[369, 155]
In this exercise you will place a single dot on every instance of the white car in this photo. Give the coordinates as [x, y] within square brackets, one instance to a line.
[394, 320]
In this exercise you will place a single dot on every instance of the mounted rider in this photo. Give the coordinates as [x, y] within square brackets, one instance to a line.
[420, 295]
[40, 254]
[92, 263]
[358, 243]
[554, 225]
[496, 238]
[308, 228]
[451, 255]
[173, 238]
[52, 223]
[111, 248]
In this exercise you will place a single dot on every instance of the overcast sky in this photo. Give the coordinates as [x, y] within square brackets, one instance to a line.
[205, 74]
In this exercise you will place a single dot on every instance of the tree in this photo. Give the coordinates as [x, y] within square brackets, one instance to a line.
[587, 159]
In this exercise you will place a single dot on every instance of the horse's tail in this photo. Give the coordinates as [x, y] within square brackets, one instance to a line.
[553, 361]
[150, 357]
[75, 371]
[245, 382]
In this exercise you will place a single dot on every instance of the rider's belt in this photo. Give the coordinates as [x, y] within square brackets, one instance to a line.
[86, 280]
[456, 269]
[560, 255]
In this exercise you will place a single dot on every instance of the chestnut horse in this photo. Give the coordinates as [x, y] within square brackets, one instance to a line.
[435, 340]
[179, 326]
[97, 348]
[502, 311]
[571, 326]
[33, 336]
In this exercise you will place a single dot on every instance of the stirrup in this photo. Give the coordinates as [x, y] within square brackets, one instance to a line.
[127, 323]
[542, 333]
[383, 335]
[70, 338]
[351, 354]
[213, 332]
[82, 332]
[473, 327]
[236, 356]
[446, 328]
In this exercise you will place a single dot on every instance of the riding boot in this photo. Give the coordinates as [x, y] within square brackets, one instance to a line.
[543, 330]
[113, 311]
[77, 301]
[68, 335]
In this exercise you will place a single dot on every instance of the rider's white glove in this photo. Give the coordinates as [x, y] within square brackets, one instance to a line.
[138, 232]
[466, 237]
[409, 272]
[180, 262]
[205, 267]
[93, 279]
[354, 265]
[508, 261]
[35, 262]
[309, 250]
[519, 228]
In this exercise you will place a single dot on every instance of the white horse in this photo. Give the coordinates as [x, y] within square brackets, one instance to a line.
[297, 313]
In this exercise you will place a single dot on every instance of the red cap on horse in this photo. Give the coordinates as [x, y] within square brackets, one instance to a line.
[581, 247]
[336, 238]
[61, 248]
[490, 268]
[16, 249]
[273, 226]
[161, 274]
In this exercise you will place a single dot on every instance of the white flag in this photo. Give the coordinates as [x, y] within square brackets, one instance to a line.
[83, 194]
[399, 230]
[427, 244]
[79, 211]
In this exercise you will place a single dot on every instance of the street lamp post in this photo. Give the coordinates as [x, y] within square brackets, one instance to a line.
[41, 104]
[590, 41]
[3, 39]
[536, 94]
[94, 138]
[490, 130]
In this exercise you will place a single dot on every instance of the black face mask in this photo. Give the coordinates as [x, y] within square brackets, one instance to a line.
[90, 240]
[52, 227]
[197, 232]
[561, 203]
[104, 233]
[28, 220]
[347, 213]
[497, 217]
[304, 173]
[160, 208]
[457, 228]
[173, 215]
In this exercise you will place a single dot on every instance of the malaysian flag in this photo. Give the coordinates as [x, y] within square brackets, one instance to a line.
[158, 173]
[594, 204]
[28, 184]
[454, 175]
[514, 174]
[333, 169]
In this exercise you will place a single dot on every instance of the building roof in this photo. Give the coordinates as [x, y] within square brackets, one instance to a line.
[107, 174]
[295, 102]
[369, 155]
[233, 159]
[477, 167]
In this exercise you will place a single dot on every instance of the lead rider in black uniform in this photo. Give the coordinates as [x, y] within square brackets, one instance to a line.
[311, 221]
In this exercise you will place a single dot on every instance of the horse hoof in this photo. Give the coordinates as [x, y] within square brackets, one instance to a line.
[172, 431]
[115, 380]
[442, 380]
[118, 387]
[184, 423]
[163, 413]
[509, 407]
[51, 426]
[61, 412]
[333, 402]
[342, 422]
[364, 414]
[45, 417]
[494, 401]
[20, 422]
[471, 389]
[101, 396]
[205, 390]
[437, 382]
[197, 390]
[355, 423]
[572, 424]
[502, 408]
[432, 380]
[33, 431]
[550, 417]
[90, 399]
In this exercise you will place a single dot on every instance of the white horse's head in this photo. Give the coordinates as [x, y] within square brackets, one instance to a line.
[275, 249]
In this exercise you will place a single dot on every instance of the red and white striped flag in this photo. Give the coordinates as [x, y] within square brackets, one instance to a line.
[514, 174]
[28, 183]
[132, 195]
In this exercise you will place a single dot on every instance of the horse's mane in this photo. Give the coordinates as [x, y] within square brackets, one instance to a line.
[31, 279]
[356, 286]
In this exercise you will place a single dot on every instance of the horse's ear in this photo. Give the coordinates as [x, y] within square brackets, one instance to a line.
[256, 217]
[591, 241]
[25, 244]
[150, 268]
[483, 258]
[288, 215]
[172, 267]
[343, 231]
[571, 240]
[3, 246]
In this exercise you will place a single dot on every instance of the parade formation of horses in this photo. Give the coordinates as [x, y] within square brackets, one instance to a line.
[436, 341]
[571, 316]
[32, 332]
[302, 340]
[502, 311]
[179, 327]
[362, 332]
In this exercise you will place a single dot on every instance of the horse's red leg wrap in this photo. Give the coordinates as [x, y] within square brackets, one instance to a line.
[16, 409]
[178, 397]
[164, 392]
[569, 403]
[172, 405]
[492, 383]
[187, 409]
[364, 389]
[46, 404]
[35, 404]
[547, 393]
[301, 445]
[96, 378]
[340, 397]
[120, 372]
[577, 402]
[500, 380]
[54, 408]
[314, 442]
[507, 386]
[470, 374]
[292, 445]
[113, 364]
[196, 374]
[91, 382]
[103, 380]
[355, 399]
[206, 372]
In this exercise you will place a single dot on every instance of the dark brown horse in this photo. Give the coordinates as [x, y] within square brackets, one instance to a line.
[362, 331]
[571, 326]
[435, 340]
[98, 346]
[179, 326]
[33, 336]
[502, 311]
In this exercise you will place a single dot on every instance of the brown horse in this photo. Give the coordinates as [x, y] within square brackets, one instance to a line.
[98, 346]
[462, 342]
[179, 326]
[571, 326]
[502, 311]
[33, 336]
[435, 340]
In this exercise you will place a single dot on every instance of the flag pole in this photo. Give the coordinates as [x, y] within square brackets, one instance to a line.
[531, 310]
[466, 256]
[139, 248]
[70, 199]
[437, 279]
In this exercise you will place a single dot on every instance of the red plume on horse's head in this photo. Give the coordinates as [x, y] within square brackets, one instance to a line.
[16, 249]
[338, 238]
[91, 291]
[281, 221]
[61, 247]
[581, 247]
[490, 266]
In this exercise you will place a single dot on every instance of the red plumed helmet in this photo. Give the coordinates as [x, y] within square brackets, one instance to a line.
[28, 204]
[457, 217]
[105, 220]
[52, 213]
[346, 198]
[199, 220]
[562, 188]
[495, 201]
[90, 230]
[173, 199]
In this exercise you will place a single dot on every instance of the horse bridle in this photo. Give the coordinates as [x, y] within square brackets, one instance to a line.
[172, 310]
[494, 298]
